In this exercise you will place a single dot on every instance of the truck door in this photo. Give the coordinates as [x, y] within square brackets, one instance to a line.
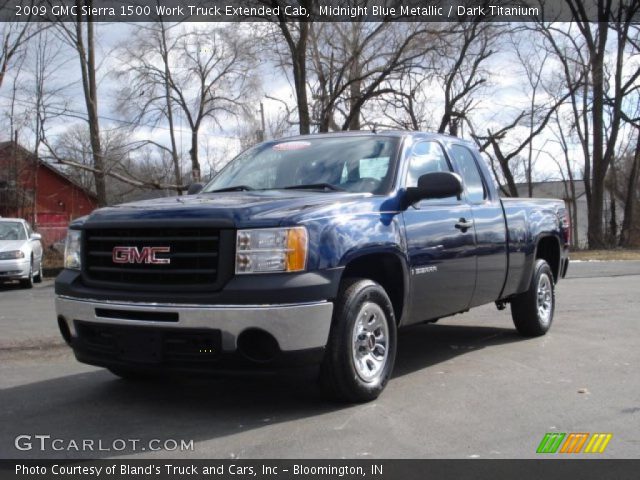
[490, 228]
[440, 243]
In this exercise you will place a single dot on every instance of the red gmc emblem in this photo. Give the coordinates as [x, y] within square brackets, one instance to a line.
[144, 255]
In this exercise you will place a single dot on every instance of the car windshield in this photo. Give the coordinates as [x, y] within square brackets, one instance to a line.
[12, 231]
[362, 164]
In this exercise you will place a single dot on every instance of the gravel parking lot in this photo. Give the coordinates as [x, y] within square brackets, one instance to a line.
[467, 386]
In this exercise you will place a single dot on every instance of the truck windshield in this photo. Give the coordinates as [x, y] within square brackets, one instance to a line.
[363, 164]
[12, 231]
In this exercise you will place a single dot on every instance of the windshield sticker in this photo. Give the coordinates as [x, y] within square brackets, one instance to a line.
[281, 147]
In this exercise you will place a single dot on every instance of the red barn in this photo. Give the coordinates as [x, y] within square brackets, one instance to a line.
[40, 193]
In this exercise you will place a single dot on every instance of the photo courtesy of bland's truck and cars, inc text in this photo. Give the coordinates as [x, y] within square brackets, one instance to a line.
[319, 239]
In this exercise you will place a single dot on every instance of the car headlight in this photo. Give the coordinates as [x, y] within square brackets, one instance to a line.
[271, 250]
[11, 255]
[72, 250]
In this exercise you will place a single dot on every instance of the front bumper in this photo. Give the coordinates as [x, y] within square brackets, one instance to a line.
[297, 328]
[14, 269]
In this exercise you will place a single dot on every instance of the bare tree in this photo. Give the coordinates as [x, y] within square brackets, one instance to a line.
[407, 108]
[296, 35]
[45, 95]
[533, 60]
[562, 140]
[81, 36]
[13, 37]
[15, 172]
[126, 162]
[462, 53]
[205, 73]
[146, 74]
[356, 63]
[631, 197]
[542, 113]
[597, 49]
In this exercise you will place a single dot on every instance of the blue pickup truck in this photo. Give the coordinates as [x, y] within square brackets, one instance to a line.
[311, 250]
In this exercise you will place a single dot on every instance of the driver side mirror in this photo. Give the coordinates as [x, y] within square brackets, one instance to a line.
[195, 188]
[36, 236]
[435, 185]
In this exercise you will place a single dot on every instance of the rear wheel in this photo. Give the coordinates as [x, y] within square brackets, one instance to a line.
[532, 311]
[362, 343]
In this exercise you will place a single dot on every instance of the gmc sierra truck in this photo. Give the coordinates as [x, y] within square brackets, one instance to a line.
[311, 250]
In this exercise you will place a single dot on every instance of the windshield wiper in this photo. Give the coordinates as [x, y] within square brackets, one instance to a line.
[317, 186]
[236, 188]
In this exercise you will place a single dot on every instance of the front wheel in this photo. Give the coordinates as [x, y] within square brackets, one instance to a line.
[362, 343]
[532, 311]
[38, 276]
[28, 282]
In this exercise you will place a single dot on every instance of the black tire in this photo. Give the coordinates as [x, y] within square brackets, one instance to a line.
[361, 305]
[28, 282]
[38, 277]
[532, 311]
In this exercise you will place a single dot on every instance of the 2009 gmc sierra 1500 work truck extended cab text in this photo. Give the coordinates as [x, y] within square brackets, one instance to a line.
[310, 250]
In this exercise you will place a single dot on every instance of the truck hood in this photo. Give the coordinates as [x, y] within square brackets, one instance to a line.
[230, 209]
[11, 245]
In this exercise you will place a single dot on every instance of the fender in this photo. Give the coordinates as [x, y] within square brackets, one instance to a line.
[370, 256]
[532, 254]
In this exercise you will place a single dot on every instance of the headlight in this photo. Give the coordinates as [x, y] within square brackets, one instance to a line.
[271, 250]
[12, 255]
[72, 250]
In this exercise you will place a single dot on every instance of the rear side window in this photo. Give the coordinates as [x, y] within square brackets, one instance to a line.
[426, 157]
[471, 176]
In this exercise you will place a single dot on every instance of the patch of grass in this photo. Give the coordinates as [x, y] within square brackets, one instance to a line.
[614, 254]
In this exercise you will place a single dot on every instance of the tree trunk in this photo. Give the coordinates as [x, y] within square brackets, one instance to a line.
[629, 203]
[613, 221]
[446, 117]
[193, 152]
[594, 232]
[573, 208]
[600, 166]
[355, 91]
[88, 64]
[167, 92]
[506, 171]
[299, 57]
[454, 125]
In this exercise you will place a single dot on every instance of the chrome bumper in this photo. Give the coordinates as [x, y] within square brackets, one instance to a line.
[295, 327]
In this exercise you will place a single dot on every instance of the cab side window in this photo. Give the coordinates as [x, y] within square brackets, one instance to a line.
[426, 157]
[471, 176]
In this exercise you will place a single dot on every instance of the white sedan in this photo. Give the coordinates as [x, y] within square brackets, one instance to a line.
[20, 252]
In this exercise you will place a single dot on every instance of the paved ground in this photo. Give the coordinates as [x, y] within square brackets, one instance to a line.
[465, 387]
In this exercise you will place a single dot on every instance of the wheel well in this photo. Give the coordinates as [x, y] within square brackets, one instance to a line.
[548, 249]
[385, 269]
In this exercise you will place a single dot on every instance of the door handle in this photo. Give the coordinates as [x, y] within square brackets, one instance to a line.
[463, 225]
